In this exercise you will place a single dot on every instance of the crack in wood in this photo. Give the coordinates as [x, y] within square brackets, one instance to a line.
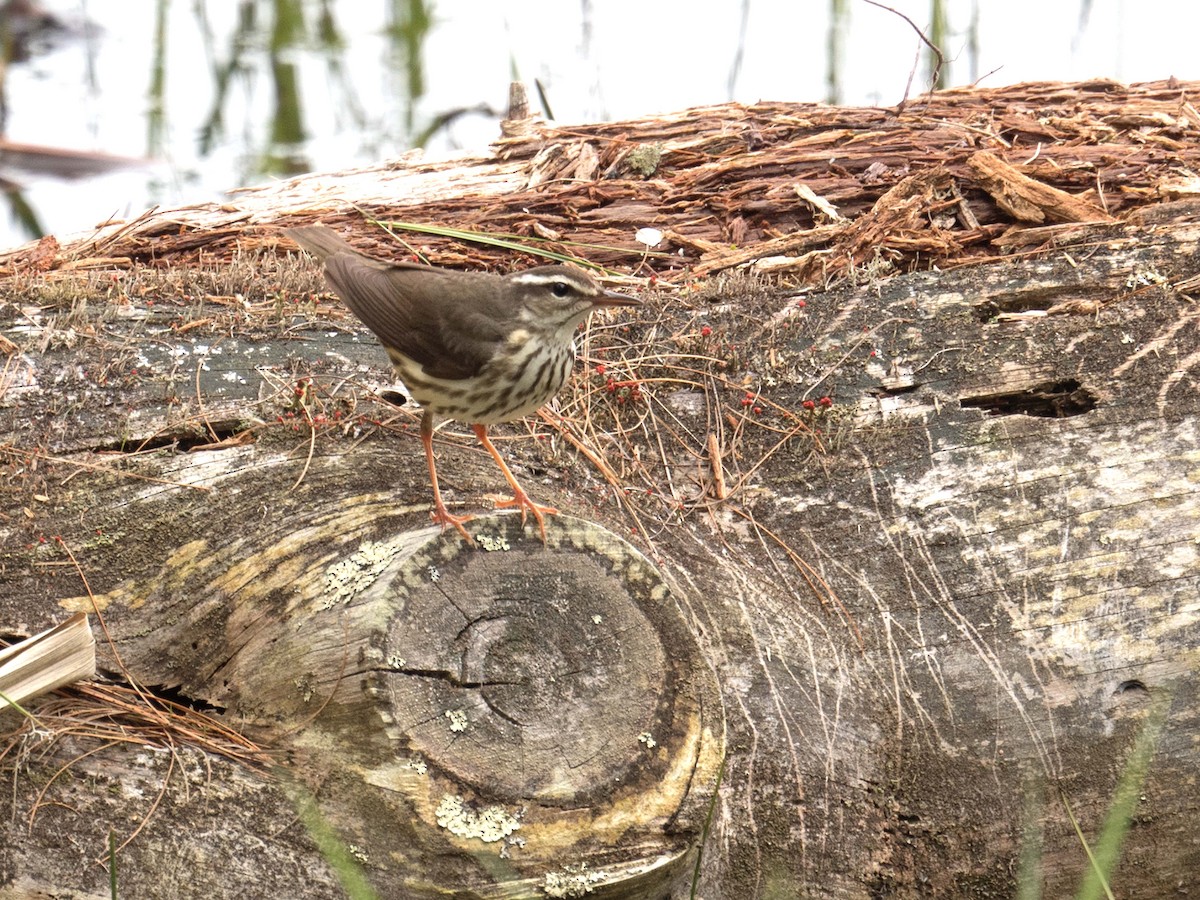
[171, 694]
[214, 436]
[448, 677]
[1050, 399]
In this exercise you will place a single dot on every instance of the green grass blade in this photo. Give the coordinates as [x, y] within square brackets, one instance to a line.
[1125, 799]
[17, 706]
[331, 847]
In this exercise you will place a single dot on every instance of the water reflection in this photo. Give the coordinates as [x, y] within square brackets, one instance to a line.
[218, 94]
[226, 94]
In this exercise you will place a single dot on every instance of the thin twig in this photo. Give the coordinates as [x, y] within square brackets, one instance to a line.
[937, 69]
[96, 467]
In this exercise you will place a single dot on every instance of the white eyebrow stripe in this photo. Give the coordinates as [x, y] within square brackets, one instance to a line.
[539, 278]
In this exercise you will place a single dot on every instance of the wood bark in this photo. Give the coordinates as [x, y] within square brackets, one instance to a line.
[867, 581]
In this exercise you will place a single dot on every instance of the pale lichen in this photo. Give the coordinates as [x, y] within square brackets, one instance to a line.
[490, 824]
[644, 159]
[571, 881]
[492, 541]
[346, 578]
[416, 764]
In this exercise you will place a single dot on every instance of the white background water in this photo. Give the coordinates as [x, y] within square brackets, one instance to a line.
[297, 101]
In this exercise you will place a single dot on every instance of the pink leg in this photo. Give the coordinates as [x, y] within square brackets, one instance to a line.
[519, 499]
[440, 514]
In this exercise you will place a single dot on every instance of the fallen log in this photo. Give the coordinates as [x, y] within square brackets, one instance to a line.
[874, 574]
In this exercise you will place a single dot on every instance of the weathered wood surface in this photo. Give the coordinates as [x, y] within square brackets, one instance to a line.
[928, 608]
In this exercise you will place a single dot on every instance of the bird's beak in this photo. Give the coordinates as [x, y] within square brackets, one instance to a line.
[612, 298]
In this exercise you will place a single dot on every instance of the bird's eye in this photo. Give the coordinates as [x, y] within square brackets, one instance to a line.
[560, 289]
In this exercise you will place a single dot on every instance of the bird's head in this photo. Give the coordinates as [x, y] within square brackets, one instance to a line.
[562, 296]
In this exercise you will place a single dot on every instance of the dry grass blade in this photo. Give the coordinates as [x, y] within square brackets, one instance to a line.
[60, 655]
[517, 243]
[312, 435]
[563, 427]
[820, 588]
[109, 715]
[98, 467]
[652, 413]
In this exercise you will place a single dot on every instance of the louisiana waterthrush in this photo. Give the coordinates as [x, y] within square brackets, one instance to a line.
[477, 347]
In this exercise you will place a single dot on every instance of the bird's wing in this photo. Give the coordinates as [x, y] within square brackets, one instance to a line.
[409, 311]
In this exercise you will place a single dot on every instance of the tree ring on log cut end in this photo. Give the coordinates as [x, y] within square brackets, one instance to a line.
[545, 703]
[560, 681]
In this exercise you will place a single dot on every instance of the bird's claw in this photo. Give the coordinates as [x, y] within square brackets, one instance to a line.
[444, 517]
[522, 501]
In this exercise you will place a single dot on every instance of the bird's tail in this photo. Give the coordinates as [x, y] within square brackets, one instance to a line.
[319, 240]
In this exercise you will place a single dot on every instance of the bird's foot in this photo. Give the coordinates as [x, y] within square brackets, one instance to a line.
[521, 501]
[444, 517]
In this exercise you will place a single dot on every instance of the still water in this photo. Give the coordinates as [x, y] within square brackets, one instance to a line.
[195, 98]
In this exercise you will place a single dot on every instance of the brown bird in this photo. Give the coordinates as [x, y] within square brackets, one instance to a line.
[477, 347]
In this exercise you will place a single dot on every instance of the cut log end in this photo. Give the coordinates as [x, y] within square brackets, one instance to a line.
[550, 694]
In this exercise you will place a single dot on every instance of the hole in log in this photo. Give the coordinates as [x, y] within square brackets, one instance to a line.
[183, 439]
[989, 309]
[172, 694]
[895, 390]
[395, 396]
[1133, 686]
[1046, 300]
[1051, 399]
